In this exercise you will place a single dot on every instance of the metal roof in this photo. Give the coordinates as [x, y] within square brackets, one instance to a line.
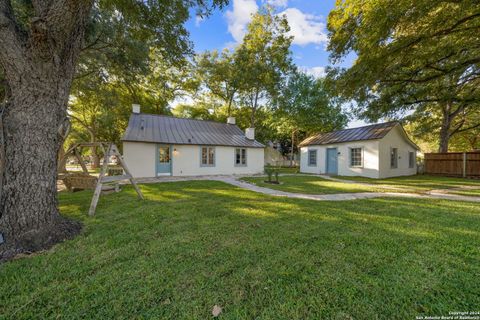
[171, 130]
[370, 132]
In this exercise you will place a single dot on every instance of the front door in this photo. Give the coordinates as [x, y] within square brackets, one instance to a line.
[164, 160]
[332, 161]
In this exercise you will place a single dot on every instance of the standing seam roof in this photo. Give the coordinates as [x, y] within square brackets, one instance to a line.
[172, 130]
[370, 132]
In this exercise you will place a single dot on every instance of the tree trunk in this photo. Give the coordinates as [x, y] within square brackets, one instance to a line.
[444, 139]
[39, 66]
[94, 152]
[62, 162]
[254, 109]
[293, 144]
[30, 220]
[445, 130]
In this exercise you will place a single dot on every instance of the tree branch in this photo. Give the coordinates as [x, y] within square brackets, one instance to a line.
[469, 128]
[59, 31]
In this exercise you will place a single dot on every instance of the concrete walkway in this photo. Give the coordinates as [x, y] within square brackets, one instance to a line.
[234, 180]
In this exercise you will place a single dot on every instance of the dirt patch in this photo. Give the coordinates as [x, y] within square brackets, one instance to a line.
[39, 240]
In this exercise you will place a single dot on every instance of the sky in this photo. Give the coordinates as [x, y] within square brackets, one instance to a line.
[307, 19]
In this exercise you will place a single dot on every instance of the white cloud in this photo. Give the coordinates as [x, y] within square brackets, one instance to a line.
[239, 17]
[317, 72]
[278, 3]
[198, 20]
[305, 28]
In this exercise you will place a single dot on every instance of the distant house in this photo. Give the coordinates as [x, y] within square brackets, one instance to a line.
[156, 145]
[376, 151]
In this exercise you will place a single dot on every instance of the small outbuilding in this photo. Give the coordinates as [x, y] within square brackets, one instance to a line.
[158, 145]
[376, 151]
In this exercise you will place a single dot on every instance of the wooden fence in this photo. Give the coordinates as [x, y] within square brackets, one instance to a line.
[461, 164]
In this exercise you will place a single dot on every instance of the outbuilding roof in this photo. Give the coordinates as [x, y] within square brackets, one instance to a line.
[370, 132]
[171, 130]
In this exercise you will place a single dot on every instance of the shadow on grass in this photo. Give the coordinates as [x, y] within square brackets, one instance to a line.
[192, 245]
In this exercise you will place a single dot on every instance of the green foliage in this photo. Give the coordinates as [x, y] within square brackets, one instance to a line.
[220, 75]
[263, 59]
[134, 52]
[269, 170]
[413, 56]
[465, 132]
[304, 106]
[272, 171]
[134, 57]
[193, 245]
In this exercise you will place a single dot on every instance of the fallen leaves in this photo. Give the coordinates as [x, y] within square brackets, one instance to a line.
[216, 311]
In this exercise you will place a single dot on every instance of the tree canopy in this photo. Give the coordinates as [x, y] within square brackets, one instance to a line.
[264, 59]
[412, 57]
[44, 46]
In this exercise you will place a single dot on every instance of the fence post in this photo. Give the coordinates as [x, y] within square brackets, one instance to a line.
[464, 173]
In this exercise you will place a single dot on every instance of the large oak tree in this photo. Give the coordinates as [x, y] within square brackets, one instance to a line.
[413, 56]
[40, 44]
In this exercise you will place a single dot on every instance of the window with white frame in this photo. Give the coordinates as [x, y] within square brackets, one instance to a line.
[411, 159]
[393, 158]
[312, 158]
[356, 157]
[240, 157]
[207, 157]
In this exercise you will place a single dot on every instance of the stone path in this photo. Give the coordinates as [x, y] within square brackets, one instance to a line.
[234, 180]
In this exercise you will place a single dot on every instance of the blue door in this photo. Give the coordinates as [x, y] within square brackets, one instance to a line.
[332, 161]
[164, 160]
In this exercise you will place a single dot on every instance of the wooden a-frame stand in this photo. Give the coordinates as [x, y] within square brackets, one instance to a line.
[108, 150]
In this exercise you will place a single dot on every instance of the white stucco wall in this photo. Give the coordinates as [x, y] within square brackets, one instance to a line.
[370, 166]
[186, 161]
[396, 139]
[141, 160]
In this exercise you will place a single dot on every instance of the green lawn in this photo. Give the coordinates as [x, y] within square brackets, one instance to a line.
[289, 170]
[419, 183]
[311, 185]
[468, 192]
[193, 245]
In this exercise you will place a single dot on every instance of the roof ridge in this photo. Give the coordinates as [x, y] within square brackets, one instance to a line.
[368, 125]
[182, 118]
[168, 129]
[368, 132]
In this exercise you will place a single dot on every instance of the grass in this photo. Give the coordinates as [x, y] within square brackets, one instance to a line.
[419, 183]
[289, 170]
[311, 185]
[193, 245]
[468, 192]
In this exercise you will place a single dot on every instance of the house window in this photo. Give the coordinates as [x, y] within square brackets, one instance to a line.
[164, 154]
[240, 157]
[312, 158]
[208, 157]
[356, 157]
[393, 158]
[411, 159]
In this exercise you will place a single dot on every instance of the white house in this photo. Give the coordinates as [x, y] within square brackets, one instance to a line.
[156, 145]
[375, 151]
